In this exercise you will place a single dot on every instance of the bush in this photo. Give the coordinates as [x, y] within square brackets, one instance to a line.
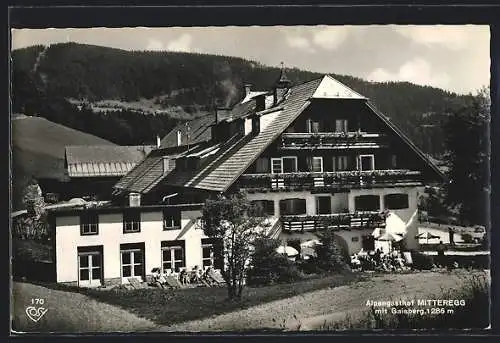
[422, 261]
[269, 267]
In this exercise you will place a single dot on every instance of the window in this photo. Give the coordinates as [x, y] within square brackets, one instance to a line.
[289, 164]
[286, 164]
[323, 205]
[211, 253]
[263, 207]
[317, 164]
[341, 125]
[340, 163]
[276, 166]
[367, 203]
[313, 126]
[89, 223]
[89, 266]
[355, 239]
[368, 242]
[292, 206]
[132, 263]
[171, 220]
[394, 161]
[396, 201]
[172, 253]
[366, 162]
[131, 221]
[262, 165]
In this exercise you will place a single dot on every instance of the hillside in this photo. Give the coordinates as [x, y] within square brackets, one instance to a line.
[38, 150]
[128, 97]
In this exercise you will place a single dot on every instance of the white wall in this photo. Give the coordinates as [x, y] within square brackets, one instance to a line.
[347, 235]
[111, 235]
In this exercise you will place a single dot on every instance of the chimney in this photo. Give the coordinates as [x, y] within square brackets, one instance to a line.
[179, 137]
[248, 89]
[158, 141]
[134, 199]
[222, 113]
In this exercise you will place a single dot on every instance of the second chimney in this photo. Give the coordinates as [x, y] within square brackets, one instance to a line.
[179, 138]
[248, 89]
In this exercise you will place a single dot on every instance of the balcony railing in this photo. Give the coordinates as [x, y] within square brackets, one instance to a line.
[358, 220]
[330, 180]
[332, 140]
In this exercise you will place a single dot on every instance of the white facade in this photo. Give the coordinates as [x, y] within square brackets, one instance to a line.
[110, 236]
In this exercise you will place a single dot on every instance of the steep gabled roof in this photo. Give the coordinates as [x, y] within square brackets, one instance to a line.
[105, 160]
[199, 131]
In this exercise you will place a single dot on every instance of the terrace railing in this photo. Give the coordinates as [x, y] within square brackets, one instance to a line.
[329, 180]
[358, 220]
[332, 140]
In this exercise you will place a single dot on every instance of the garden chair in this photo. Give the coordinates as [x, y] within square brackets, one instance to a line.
[136, 284]
[216, 277]
[172, 282]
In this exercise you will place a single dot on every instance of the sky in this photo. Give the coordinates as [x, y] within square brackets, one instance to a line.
[454, 58]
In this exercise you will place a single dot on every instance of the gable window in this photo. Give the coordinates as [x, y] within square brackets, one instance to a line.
[398, 201]
[317, 164]
[341, 125]
[263, 208]
[323, 205]
[131, 221]
[292, 206]
[89, 223]
[171, 220]
[287, 164]
[340, 163]
[367, 203]
[366, 162]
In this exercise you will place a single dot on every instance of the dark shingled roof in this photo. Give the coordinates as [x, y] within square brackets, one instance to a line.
[222, 172]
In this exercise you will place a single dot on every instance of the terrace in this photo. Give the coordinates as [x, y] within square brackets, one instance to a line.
[332, 140]
[329, 181]
[358, 220]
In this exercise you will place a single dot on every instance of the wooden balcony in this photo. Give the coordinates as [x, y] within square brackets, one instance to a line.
[332, 140]
[329, 181]
[337, 221]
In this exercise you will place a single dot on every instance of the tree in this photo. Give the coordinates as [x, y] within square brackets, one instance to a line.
[467, 143]
[330, 255]
[231, 219]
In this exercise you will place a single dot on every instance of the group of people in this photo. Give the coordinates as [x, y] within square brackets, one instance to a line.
[184, 276]
[378, 260]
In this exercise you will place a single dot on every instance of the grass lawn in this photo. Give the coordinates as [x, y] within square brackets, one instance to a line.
[167, 307]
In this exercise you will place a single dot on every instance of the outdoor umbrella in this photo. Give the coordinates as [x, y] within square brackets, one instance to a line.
[390, 237]
[426, 235]
[289, 251]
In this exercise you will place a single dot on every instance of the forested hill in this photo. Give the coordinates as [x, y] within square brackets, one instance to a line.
[128, 97]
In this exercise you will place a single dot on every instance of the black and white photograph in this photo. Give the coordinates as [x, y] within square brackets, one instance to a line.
[250, 178]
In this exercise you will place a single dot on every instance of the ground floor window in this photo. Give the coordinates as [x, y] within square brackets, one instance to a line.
[173, 257]
[396, 201]
[323, 205]
[367, 203]
[368, 242]
[263, 207]
[211, 251]
[89, 267]
[132, 260]
[292, 206]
